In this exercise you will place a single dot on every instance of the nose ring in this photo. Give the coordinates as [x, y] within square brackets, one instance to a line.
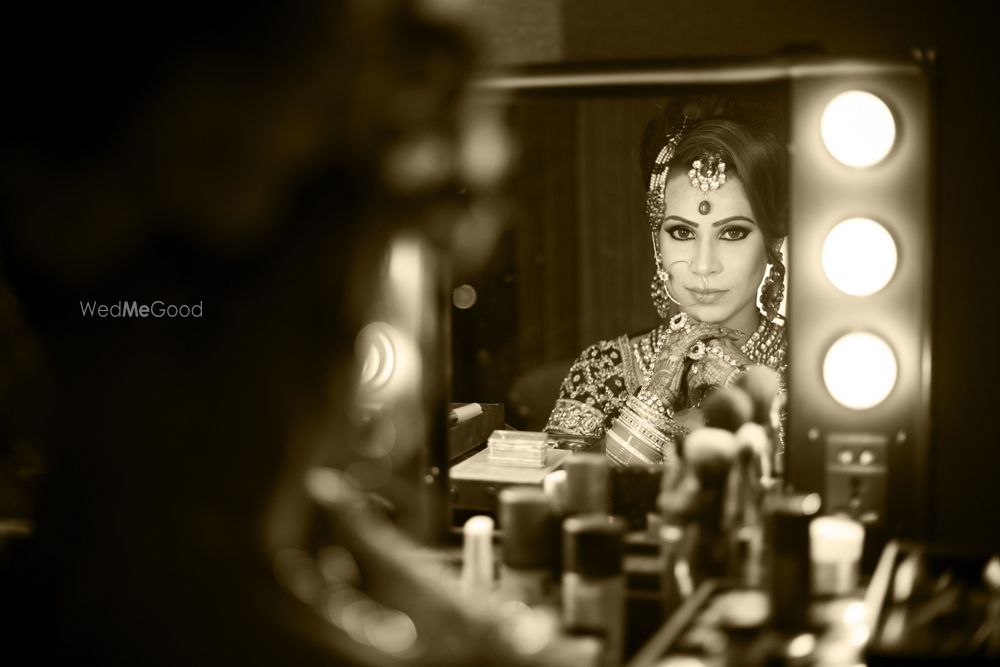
[666, 276]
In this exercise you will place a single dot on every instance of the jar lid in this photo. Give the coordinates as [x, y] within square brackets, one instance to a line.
[526, 520]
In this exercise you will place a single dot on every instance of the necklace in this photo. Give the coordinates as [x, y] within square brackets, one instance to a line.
[647, 349]
[766, 346]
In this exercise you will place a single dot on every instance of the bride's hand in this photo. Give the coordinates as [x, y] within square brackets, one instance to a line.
[717, 362]
[685, 337]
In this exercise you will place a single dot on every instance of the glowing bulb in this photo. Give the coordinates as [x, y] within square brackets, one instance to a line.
[859, 256]
[858, 128]
[859, 370]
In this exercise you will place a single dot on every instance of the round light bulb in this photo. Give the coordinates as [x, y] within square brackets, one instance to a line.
[858, 128]
[859, 370]
[859, 256]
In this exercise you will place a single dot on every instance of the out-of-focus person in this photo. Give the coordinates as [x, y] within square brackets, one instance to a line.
[237, 162]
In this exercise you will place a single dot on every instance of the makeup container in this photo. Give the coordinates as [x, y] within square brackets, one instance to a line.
[529, 544]
[554, 487]
[835, 544]
[477, 556]
[789, 573]
[520, 449]
[587, 484]
[593, 594]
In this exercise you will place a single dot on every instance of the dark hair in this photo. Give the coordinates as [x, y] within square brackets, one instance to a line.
[745, 133]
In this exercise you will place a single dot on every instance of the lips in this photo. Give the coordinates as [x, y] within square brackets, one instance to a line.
[707, 295]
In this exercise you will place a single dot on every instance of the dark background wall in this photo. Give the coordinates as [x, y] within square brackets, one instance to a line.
[576, 263]
[961, 38]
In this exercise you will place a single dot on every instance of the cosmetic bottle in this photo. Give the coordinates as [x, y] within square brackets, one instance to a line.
[835, 546]
[528, 547]
[587, 484]
[593, 592]
[554, 486]
[477, 556]
[789, 573]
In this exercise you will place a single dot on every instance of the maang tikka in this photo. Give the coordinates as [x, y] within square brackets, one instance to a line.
[707, 173]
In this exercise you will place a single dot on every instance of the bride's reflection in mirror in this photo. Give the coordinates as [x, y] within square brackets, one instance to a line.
[716, 210]
[613, 188]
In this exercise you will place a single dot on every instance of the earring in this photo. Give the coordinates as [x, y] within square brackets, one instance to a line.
[773, 291]
[658, 291]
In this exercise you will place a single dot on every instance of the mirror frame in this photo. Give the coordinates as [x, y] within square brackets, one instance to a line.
[812, 413]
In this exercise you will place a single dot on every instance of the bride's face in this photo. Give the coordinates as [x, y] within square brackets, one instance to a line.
[716, 260]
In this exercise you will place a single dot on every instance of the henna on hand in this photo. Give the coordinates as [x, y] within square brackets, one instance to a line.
[685, 336]
[720, 362]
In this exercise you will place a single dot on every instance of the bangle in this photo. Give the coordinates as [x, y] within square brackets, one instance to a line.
[641, 435]
[653, 402]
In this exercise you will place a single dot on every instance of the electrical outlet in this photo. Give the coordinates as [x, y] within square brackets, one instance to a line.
[856, 475]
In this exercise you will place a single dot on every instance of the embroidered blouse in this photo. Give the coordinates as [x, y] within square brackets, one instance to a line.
[609, 371]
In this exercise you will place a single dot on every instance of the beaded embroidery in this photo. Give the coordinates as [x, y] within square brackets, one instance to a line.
[594, 388]
[608, 372]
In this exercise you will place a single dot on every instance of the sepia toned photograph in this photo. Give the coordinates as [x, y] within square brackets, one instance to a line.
[530, 333]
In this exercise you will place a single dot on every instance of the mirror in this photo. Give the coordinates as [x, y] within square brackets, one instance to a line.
[575, 262]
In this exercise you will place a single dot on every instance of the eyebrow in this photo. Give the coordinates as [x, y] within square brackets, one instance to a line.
[717, 223]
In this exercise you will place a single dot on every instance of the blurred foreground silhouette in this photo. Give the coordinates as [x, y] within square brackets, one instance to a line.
[247, 162]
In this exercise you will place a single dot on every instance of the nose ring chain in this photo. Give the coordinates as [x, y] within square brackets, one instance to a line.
[665, 276]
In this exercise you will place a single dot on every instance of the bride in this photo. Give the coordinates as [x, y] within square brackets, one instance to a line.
[716, 206]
